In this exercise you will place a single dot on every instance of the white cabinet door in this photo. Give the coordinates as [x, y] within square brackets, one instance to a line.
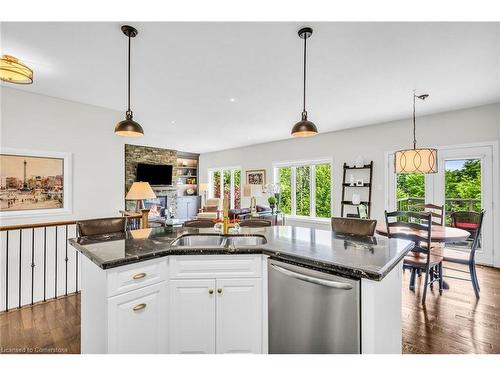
[239, 316]
[192, 316]
[137, 321]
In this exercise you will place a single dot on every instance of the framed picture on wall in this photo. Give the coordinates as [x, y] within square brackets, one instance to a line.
[256, 177]
[34, 183]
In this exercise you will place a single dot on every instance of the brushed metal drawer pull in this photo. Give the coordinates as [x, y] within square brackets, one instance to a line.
[139, 276]
[210, 291]
[140, 306]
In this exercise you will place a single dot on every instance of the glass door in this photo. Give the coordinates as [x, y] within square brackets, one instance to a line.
[464, 183]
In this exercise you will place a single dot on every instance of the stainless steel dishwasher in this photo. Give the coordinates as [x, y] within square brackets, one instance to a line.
[311, 311]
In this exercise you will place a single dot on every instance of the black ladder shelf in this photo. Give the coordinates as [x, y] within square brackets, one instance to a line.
[365, 185]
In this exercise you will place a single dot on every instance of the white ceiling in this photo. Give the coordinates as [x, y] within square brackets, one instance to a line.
[184, 74]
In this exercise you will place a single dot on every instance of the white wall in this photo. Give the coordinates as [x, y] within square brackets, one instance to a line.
[39, 122]
[457, 127]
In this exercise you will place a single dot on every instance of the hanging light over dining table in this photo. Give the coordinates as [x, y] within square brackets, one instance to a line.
[129, 127]
[416, 159]
[304, 128]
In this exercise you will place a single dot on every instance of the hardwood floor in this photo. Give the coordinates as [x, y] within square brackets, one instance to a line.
[455, 322]
[47, 327]
[452, 323]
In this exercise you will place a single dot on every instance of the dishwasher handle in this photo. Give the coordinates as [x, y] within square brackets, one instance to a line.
[314, 280]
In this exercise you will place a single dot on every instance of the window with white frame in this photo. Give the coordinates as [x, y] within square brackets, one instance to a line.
[306, 188]
[226, 181]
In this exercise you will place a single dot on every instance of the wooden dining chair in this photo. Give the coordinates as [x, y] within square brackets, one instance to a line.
[460, 257]
[437, 213]
[418, 228]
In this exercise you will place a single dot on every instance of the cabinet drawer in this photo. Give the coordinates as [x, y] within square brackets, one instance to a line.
[134, 276]
[213, 266]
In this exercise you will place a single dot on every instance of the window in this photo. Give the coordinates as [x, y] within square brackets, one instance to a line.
[306, 188]
[227, 181]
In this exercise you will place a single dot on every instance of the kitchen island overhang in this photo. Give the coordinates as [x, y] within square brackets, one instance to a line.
[371, 258]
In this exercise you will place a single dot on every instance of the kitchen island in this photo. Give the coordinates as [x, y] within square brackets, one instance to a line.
[194, 291]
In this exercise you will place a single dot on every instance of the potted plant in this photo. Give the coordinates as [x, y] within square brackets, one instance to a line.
[272, 202]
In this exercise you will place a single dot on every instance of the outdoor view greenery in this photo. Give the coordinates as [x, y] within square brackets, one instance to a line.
[462, 187]
[285, 180]
[236, 191]
[303, 189]
[323, 190]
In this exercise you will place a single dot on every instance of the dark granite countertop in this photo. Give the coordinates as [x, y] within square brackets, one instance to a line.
[371, 258]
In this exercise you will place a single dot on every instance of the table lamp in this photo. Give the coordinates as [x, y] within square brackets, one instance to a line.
[138, 192]
[252, 191]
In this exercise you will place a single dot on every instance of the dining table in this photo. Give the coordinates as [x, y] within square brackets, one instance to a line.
[439, 234]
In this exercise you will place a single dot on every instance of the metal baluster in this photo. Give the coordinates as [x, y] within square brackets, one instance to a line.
[55, 272]
[7, 273]
[66, 260]
[20, 258]
[32, 262]
[44, 263]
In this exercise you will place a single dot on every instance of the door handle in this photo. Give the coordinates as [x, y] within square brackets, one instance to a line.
[311, 279]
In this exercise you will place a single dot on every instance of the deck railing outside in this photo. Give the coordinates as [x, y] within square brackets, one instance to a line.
[451, 204]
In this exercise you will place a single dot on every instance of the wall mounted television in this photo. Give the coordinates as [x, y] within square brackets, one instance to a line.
[155, 174]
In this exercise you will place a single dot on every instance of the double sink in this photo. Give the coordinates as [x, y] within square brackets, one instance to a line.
[216, 241]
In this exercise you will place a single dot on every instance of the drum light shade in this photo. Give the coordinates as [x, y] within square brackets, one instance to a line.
[13, 71]
[418, 160]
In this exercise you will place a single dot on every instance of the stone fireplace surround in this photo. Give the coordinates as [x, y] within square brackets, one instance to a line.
[143, 154]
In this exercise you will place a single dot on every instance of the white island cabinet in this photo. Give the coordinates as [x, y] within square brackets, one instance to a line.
[176, 304]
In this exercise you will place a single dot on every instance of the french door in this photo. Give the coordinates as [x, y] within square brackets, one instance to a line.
[466, 181]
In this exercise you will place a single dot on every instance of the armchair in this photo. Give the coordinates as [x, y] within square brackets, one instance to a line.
[211, 210]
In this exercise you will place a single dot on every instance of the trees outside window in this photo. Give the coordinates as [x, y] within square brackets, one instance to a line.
[306, 189]
[227, 181]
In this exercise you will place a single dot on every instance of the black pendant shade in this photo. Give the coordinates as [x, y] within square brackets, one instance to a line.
[304, 128]
[128, 127]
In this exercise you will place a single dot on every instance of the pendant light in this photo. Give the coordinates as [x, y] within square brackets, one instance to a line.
[128, 127]
[14, 71]
[416, 160]
[304, 128]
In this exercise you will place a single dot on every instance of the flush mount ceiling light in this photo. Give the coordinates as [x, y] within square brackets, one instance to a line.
[128, 127]
[304, 128]
[416, 160]
[14, 71]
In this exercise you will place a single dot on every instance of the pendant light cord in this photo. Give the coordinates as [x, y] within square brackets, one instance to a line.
[129, 111]
[305, 62]
[414, 123]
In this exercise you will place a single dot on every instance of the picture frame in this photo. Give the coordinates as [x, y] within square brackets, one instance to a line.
[359, 182]
[256, 177]
[35, 183]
